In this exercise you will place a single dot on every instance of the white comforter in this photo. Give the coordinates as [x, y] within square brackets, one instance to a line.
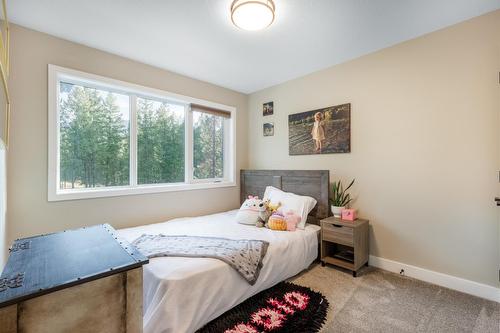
[183, 294]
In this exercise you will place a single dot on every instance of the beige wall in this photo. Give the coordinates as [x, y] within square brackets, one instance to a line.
[3, 110]
[29, 212]
[425, 144]
[3, 201]
[3, 181]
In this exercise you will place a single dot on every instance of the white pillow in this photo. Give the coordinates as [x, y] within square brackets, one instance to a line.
[249, 211]
[298, 204]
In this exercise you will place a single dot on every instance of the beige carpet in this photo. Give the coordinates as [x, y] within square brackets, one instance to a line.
[379, 301]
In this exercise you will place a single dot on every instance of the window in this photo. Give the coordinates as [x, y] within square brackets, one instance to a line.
[94, 137]
[208, 146]
[208, 142]
[160, 142]
[109, 138]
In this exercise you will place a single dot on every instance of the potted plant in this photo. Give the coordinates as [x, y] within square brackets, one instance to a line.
[340, 198]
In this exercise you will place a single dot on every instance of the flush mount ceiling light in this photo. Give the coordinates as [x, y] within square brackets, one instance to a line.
[252, 14]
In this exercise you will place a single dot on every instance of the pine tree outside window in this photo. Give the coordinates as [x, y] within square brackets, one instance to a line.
[111, 138]
[208, 146]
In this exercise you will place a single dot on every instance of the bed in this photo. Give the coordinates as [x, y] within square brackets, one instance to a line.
[183, 294]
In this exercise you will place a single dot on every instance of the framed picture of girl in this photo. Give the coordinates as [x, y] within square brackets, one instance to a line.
[323, 131]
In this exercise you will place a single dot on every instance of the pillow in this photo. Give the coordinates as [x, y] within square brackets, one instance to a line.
[249, 211]
[291, 203]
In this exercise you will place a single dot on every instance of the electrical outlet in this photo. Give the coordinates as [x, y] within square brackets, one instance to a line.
[402, 272]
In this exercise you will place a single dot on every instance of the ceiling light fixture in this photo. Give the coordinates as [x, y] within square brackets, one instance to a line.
[252, 14]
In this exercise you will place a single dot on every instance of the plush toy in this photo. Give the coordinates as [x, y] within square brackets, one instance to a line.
[273, 207]
[264, 213]
[277, 222]
[292, 220]
[249, 211]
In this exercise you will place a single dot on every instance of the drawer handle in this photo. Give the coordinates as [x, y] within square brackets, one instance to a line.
[337, 226]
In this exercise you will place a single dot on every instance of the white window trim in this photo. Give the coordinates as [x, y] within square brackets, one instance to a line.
[57, 73]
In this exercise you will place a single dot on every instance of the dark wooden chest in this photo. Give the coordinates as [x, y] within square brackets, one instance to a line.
[84, 280]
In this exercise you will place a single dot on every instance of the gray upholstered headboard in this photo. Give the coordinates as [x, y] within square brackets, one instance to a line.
[313, 183]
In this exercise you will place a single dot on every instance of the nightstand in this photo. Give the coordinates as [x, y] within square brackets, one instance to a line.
[344, 243]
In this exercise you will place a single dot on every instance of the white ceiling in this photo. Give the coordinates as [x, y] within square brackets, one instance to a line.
[196, 37]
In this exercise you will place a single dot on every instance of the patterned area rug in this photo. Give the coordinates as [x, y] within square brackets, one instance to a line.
[285, 307]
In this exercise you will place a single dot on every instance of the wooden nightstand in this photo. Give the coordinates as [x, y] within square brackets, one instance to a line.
[344, 243]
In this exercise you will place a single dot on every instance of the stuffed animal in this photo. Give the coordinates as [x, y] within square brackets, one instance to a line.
[274, 207]
[292, 220]
[264, 213]
[249, 211]
[277, 222]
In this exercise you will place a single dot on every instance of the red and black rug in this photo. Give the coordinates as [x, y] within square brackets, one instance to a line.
[285, 307]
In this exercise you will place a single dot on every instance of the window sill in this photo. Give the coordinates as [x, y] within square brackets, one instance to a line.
[75, 194]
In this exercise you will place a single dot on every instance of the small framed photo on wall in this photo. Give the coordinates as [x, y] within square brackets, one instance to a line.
[268, 129]
[268, 108]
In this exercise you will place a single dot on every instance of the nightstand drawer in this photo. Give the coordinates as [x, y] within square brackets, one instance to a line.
[338, 234]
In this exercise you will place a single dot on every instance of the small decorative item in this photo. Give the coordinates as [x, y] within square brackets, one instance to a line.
[274, 207]
[292, 220]
[340, 198]
[268, 129]
[323, 131]
[264, 213]
[249, 211]
[268, 109]
[348, 214]
[277, 222]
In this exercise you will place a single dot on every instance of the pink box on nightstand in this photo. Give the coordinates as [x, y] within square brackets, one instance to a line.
[348, 214]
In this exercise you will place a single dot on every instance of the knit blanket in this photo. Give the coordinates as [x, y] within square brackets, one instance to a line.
[243, 255]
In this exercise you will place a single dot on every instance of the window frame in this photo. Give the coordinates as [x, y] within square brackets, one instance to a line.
[56, 74]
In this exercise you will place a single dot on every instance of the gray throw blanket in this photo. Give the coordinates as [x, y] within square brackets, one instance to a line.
[245, 256]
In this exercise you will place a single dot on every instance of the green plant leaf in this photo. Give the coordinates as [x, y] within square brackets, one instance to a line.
[340, 197]
[348, 187]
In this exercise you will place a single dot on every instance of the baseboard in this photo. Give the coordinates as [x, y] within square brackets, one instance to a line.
[452, 282]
